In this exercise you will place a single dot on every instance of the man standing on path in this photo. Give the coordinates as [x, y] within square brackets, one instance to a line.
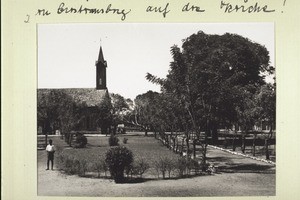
[50, 154]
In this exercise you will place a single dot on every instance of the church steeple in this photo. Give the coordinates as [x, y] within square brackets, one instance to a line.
[100, 57]
[101, 71]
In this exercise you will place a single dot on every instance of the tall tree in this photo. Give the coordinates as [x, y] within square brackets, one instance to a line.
[119, 110]
[56, 110]
[212, 77]
[266, 104]
[105, 115]
[146, 108]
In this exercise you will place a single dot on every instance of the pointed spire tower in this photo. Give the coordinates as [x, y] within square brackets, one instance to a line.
[101, 71]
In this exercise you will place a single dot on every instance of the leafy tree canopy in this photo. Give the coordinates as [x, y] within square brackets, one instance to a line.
[213, 76]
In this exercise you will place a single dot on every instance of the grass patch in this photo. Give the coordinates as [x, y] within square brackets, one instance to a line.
[146, 148]
[152, 151]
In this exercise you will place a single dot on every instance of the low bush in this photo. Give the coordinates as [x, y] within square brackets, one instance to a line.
[197, 167]
[181, 166]
[81, 141]
[190, 165]
[204, 167]
[58, 150]
[83, 167]
[170, 166]
[125, 140]
[101, 166]
[118, 159]
[185, 165]
[164, 165]
[156, 166]
[129, 170]
[113, 140]
[71, 165]
[98, 167]
[60, 161]
[139, 167]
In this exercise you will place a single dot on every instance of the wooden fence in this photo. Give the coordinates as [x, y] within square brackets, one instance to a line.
[42, 141]
[254, 143]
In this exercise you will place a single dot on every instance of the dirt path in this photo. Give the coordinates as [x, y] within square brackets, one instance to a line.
[250, 178]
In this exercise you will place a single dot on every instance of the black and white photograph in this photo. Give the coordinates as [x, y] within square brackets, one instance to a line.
[156, 109]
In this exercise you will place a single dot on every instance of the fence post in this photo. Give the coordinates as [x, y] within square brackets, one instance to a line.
[243, 143]
[182, 143]
[46, 139]
[70, 139]
[194, 148]
[233, 142]
[176, 150]
[173, 143]
[225, 141]
[267, 149]
[253, 145]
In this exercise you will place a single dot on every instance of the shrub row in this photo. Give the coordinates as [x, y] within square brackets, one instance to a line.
[181, 167]
[119, 160]
[71, 165]
[137, 168]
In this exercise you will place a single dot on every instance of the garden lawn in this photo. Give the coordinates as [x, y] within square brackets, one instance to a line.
[148, 148]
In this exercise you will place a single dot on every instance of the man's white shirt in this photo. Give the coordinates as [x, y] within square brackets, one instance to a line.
[50, 148]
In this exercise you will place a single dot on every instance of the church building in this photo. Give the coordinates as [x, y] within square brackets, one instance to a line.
[88, 98]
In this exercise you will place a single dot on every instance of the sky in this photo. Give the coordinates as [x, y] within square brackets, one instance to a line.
[67, 52]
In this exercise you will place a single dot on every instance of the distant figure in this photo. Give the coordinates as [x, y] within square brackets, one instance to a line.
[50, 152]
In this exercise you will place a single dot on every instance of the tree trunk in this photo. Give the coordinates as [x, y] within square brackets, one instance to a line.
[104, 131]
[166, 140]
[176, 150]
[182, 144]
[243, 143]
[267, 149]
[46, 139]
[66, 137]
[233, 142]
[194, 149]
[187, 146]
[115, 129]
[204, 157]
[267, 142]
[70, 139]
[174, 139]
[253, 145]
[171, 140]
[164, 174]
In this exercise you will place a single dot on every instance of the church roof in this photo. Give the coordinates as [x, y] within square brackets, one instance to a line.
[90, 96]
